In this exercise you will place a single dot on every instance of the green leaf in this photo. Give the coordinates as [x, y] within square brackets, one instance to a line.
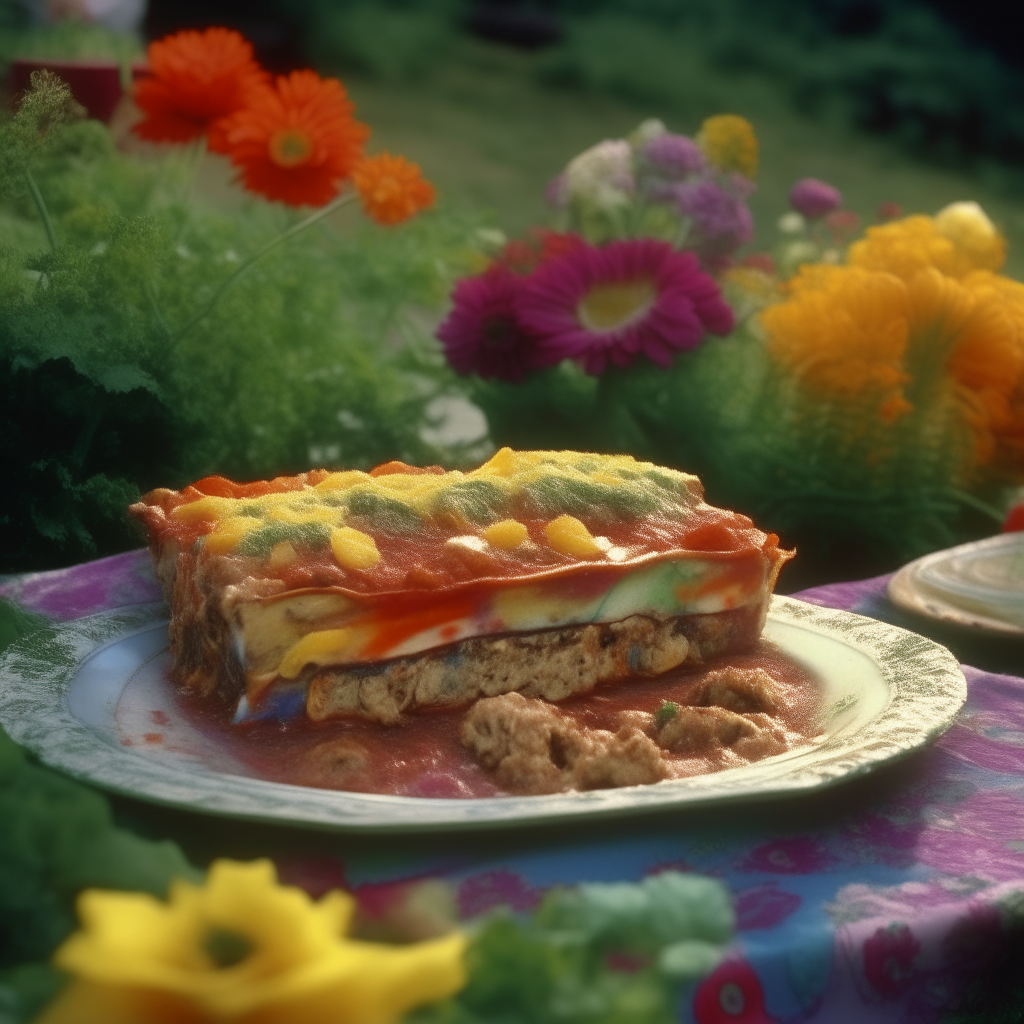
[126, 377]
[689, 960]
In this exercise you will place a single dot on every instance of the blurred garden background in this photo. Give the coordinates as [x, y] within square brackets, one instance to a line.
[324, 353]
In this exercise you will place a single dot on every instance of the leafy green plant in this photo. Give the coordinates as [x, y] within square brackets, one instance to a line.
[594, 954]
[318, 353]
[58, 838]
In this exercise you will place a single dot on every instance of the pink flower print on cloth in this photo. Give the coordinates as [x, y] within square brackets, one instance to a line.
[800, 855]
[889, 959]
[731, 994]
[501, 887]
[989, 732]
[983, 838]
[912, 965]
[764, 906]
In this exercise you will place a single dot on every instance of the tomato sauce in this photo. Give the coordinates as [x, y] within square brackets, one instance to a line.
[424, 757]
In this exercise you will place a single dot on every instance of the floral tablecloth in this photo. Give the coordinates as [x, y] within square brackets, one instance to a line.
[899, 897]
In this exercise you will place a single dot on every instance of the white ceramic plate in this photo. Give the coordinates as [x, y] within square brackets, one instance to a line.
[979, 586]
[84, 695]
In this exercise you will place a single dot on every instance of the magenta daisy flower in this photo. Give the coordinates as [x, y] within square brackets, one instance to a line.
[482, 334]
[613, 303]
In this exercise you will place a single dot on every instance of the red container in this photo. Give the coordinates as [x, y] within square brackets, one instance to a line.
[96, 84]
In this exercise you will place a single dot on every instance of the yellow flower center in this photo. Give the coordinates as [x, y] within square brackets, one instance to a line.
[290, 147]
[226, 948]
[608, 307]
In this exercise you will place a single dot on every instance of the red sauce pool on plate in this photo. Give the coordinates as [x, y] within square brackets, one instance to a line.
[423, 756]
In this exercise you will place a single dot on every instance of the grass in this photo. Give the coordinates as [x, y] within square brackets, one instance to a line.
[490, 136]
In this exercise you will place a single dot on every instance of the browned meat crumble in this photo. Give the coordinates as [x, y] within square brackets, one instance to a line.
[532, 747]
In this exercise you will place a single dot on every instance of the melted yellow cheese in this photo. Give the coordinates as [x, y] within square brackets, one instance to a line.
[568, 536]
[571, 491]
[507, 535]
[354, 549]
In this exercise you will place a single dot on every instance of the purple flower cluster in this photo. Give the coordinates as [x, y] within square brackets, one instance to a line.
[675, 171]
[599, 305]
[673, 156]
[721, 220]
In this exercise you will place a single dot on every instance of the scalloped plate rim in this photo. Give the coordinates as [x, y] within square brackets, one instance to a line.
[926, 689]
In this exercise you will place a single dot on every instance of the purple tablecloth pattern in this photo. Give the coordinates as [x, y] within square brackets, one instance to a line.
[883, 901]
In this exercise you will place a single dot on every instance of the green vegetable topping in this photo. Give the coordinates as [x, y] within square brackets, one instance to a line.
[476, 501]
[261, 541]
[381, 513]
[666, 713]
[556, 494]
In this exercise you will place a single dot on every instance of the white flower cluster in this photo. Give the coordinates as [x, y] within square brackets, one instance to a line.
[601, 176]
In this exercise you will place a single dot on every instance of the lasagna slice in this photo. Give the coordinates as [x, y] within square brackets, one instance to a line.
[374, 594]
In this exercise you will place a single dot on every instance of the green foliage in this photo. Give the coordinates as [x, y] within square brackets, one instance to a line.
[70, 39]
[35, 126]
[25, 989]
[561, 966]
[392, 42]
[906, 73]
[316, 355]
[58, 838]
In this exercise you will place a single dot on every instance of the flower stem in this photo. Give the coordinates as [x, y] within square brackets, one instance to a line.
[295, 229]
[976, 503]
[682, 232]
[44, 213]
[195, 162]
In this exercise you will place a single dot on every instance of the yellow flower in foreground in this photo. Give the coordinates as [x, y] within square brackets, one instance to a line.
[242, 949]
[867, 336]
[729, 143]
[957, 241]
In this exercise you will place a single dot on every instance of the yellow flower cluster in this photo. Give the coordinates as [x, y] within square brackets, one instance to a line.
[241, 949]
[730, 144]
[956, 241]
[916, 320]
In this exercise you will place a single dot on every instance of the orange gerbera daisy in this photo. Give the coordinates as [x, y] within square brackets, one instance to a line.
[297, 140]
[392, 188]
[197, 79]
